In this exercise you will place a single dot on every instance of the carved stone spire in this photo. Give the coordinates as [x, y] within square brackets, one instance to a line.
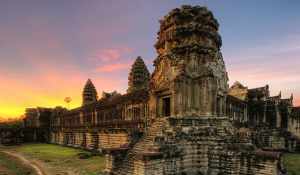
[190, 62]
[139, 76]
[89, 94]
[188, 29]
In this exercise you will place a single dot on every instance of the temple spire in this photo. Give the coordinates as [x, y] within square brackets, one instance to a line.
[139, 76]
[279, 94]
[89, 94]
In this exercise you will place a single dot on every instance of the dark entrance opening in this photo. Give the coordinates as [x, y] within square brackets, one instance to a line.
[166, 106]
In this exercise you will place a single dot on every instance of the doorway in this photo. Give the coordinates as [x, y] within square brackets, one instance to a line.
[166, 106]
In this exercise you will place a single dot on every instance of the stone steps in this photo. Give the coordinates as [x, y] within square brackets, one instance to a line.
[147, 143]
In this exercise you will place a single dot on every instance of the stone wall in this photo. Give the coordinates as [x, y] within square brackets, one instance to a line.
[195, 149]
[97, 141]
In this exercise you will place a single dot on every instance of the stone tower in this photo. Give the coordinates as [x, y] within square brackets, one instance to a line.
[89, 94]
[190, 76]
[139, 76]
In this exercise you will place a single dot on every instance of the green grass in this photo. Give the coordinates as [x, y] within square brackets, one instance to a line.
[11, 166]
[63, 158]
[292, 163]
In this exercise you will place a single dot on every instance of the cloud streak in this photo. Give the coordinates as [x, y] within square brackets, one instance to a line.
[111, 54]
[112, 60]
[113, 67]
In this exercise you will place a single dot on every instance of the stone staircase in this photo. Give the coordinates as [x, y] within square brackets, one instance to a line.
[145, 145]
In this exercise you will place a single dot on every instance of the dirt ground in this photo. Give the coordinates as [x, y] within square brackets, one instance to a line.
[12, 165]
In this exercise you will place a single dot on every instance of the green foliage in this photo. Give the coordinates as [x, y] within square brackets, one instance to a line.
[292, 162]
[11, 166]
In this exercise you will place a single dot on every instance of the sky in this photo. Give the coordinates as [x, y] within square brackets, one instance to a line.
[49, 48]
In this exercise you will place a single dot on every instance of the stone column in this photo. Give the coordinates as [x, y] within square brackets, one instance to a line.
[108, 163]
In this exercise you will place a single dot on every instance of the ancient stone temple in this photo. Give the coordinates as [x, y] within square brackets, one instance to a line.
[139, 76]
[189, 132]
[183, 118]
[89, 94]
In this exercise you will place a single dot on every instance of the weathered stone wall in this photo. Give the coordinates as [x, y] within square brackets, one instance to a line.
[202, 146]
[294, 126]
[113, 140]
[294, 122]
[92, 140]
[11, 136]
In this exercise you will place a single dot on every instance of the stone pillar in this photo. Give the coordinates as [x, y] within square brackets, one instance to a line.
[278, 117]
[108, 163]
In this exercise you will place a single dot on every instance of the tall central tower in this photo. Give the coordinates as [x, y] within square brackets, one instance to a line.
[190, 76]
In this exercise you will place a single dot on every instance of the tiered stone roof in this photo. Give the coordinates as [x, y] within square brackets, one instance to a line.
[139, 76]
[89, 94]
[260, 92]
[189, 25]
[239, 91]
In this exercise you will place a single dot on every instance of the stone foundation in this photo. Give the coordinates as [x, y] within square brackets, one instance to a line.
[202, 146]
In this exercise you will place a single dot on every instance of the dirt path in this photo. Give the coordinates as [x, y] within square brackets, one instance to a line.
[38, 166]
[34, 165]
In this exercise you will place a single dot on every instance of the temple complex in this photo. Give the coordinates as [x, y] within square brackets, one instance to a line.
[183, 118]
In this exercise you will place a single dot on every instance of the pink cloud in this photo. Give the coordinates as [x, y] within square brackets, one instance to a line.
[111, 60]
[108, 55]
[111, 54]
[113, 67]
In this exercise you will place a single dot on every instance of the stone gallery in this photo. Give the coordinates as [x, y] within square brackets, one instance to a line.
[181, 119]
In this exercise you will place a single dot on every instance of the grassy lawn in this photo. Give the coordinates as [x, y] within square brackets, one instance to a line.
[63, 158]
[292, 163]
[11, 166]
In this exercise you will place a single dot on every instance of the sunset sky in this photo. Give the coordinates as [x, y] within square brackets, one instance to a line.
[49, 48]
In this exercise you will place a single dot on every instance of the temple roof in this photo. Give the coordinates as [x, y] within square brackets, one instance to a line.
[185, 24]
[275, 98]
[238, 84]
[259, 92]
[238, 90]
[139, 76]
[133, 97]
[89, 94]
